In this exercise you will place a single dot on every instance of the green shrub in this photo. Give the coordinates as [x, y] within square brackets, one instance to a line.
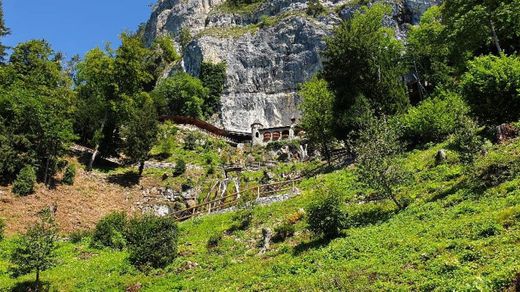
[109, 231]
[214, 240]
[492, 88]
[241, 220]
[433, 120]
[370, 213]
[314, 8]
[190, 142]
[325, 216]
[466, 140]
[2, 229]
[25, 181]
[180, 168]
[283, 231]
[69, 175]
[152, 241]
[78, 235]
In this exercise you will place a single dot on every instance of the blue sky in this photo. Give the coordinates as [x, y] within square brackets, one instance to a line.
[73, 26]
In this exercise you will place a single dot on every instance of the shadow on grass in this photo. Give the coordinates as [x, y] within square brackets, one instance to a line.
[29, 286]
[450, 191]
[127, 179]
[314, 244]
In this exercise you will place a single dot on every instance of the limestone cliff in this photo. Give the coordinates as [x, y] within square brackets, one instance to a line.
[269, 48]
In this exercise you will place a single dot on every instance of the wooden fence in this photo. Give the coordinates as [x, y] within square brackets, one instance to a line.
[247, 195]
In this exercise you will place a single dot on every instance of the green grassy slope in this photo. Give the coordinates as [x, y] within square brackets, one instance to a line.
[461, 231]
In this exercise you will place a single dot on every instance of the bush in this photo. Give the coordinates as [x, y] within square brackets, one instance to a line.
[152, 241]
[180, 168]
[433, 120]
[467, 140]
[325, 216]
[2, 229]
[78, 235]
[69, 175]
[109, 231]
[492, 88]
[214, 240]
[283, 231]
[24, 183]
[242, 220]
[314, 8]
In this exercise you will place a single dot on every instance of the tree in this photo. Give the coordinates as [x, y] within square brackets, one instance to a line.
[428, 52]
[318, 113]
[152, 241]
[492, 88]
[181, 94]
[35, 250]
[364, 59]
[97, 100]
[25, 181]
[36, 106]
[3, 32]
[377, 149]
[481, 27]
[141, 130]
[213, 77]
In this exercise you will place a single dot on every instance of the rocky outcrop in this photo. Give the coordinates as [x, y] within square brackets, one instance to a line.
[266, 60]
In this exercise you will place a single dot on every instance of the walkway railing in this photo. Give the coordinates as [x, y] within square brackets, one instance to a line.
[250, 194]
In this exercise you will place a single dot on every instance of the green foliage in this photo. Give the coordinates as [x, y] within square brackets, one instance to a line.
[318, 112]
[36, 249]
[492, 88]
[214, 240]
[180, 167]
[466, 140]
[241, 220]
[481, 27]
[25, 181]
[141, 131]
[283, 231]
[377, 150]
[185, 38]
[152, 241]
[433, 120]
[69, 175]
[238, 3]
[182, 95]
[314, 8]
[325, 216]
[213, 77]
[109, 231]
[428, 51]
[79, 235]
[365, 59]
[36, 103]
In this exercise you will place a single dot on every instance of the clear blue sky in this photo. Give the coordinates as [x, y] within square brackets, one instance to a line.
[73, 26]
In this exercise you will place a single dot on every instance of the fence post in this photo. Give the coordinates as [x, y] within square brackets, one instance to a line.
[258, 193]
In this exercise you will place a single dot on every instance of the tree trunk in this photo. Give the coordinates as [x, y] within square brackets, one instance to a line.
[46, 175]
[92, 158]
[96, 150]
[37, 284]
[495, 36]
[141, 168]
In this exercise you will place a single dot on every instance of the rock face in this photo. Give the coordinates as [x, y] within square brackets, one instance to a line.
[266, 60]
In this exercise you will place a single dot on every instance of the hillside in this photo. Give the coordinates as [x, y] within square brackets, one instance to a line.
[461, 231]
